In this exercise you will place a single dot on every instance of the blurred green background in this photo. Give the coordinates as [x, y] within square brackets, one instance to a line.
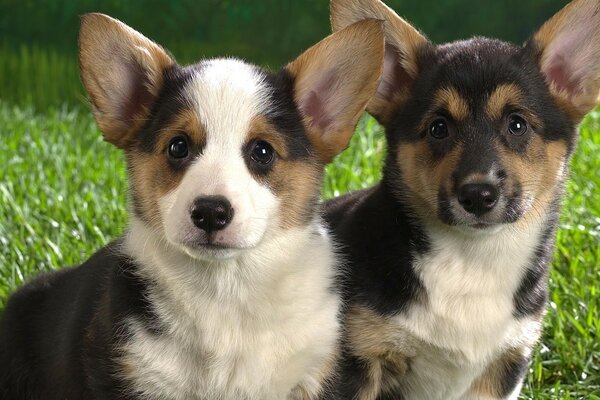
[38, 39]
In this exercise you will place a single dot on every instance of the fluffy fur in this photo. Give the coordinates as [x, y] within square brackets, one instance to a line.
[223, 286]
[446, 292]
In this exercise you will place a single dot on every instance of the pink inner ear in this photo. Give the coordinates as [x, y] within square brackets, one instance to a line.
[571, 57]
[394, 77]
[138, 95]
[565, 64]
[318, 104]
[558, 72]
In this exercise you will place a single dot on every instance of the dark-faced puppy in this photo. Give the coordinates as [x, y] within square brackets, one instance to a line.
[223, 285]
[449, 254]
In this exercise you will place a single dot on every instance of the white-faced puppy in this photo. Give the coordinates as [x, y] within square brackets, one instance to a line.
[449, 254]
[223, 285]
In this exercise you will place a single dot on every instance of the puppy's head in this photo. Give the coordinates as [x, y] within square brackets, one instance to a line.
[223, 154]
[480, 131]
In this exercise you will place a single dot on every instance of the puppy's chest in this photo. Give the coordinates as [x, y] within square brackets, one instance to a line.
[465, 317]
[226, 352]
[467, 304]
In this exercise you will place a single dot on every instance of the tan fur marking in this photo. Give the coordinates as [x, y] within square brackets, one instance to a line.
[451, 100]
[126, 369]
[325, 375]
[114, 58]
[475, 178]
[383, 347]
[510, 95]
[151, 174]
[151, 178]
[553, 172]
[261, 129]
[490, 384]
[185, 123]
[403, 43]
[423, 178]
[398, 31]
[539, 172]
[507, 94]
[297, 184]
[326, 65]
[546, 34]
[569, 22]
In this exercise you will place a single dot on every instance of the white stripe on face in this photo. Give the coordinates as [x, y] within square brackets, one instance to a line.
[226, 94]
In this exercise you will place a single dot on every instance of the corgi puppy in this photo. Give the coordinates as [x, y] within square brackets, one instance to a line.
[223, 286]
[449, 254]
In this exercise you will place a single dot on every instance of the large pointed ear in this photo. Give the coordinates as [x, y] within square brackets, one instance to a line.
[570, 56]
[122, 72]
[333, 82]
[402, 44]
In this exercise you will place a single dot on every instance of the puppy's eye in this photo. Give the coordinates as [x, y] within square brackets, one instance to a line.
[439, 129]
[261, 152]
[517, 125]
[178, 147]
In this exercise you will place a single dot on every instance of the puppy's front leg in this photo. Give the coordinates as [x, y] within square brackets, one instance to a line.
[503, 378]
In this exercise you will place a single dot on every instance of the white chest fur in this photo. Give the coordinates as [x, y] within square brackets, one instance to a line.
[250, 329]
[467, 317]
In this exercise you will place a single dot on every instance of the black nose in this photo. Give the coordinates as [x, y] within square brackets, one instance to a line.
[211, 213]
[477, 198]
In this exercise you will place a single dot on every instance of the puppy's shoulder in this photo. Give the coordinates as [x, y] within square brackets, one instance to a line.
[341, 209]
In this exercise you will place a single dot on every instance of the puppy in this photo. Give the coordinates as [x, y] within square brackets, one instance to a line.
[222, 287]
[449, 254]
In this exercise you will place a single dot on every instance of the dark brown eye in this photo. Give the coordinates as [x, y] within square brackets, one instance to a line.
[439, 129]
[517, 125]
[262, 153]
[178, 147]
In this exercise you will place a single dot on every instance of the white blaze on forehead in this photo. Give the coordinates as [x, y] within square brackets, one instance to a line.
[227, 94]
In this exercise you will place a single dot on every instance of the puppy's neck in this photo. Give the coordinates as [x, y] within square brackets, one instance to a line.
[280, 255]
[224, 315]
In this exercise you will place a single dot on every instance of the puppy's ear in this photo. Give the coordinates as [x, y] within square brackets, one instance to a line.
[333, 82]
[569, 45]
[122, 72]
[403, 43]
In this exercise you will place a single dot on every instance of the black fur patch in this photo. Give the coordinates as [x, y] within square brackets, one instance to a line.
[379, 232]
[379, 240]
[532, 296]
[474, 68]
[59, 332]
[167, 106]
[283, 113]
[354, 374]
[512, 373]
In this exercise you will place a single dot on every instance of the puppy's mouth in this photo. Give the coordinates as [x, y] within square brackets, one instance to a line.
[210, 251]
[211, 247]
[210, 241]
[232, 242]
[506, 211]
[482, 225]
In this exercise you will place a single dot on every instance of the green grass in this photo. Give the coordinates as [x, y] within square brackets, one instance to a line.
[63, 195]
[46, 78]
[41, 77]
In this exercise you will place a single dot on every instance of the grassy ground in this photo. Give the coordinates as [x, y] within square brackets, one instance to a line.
[44, 78]
[63, 195]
